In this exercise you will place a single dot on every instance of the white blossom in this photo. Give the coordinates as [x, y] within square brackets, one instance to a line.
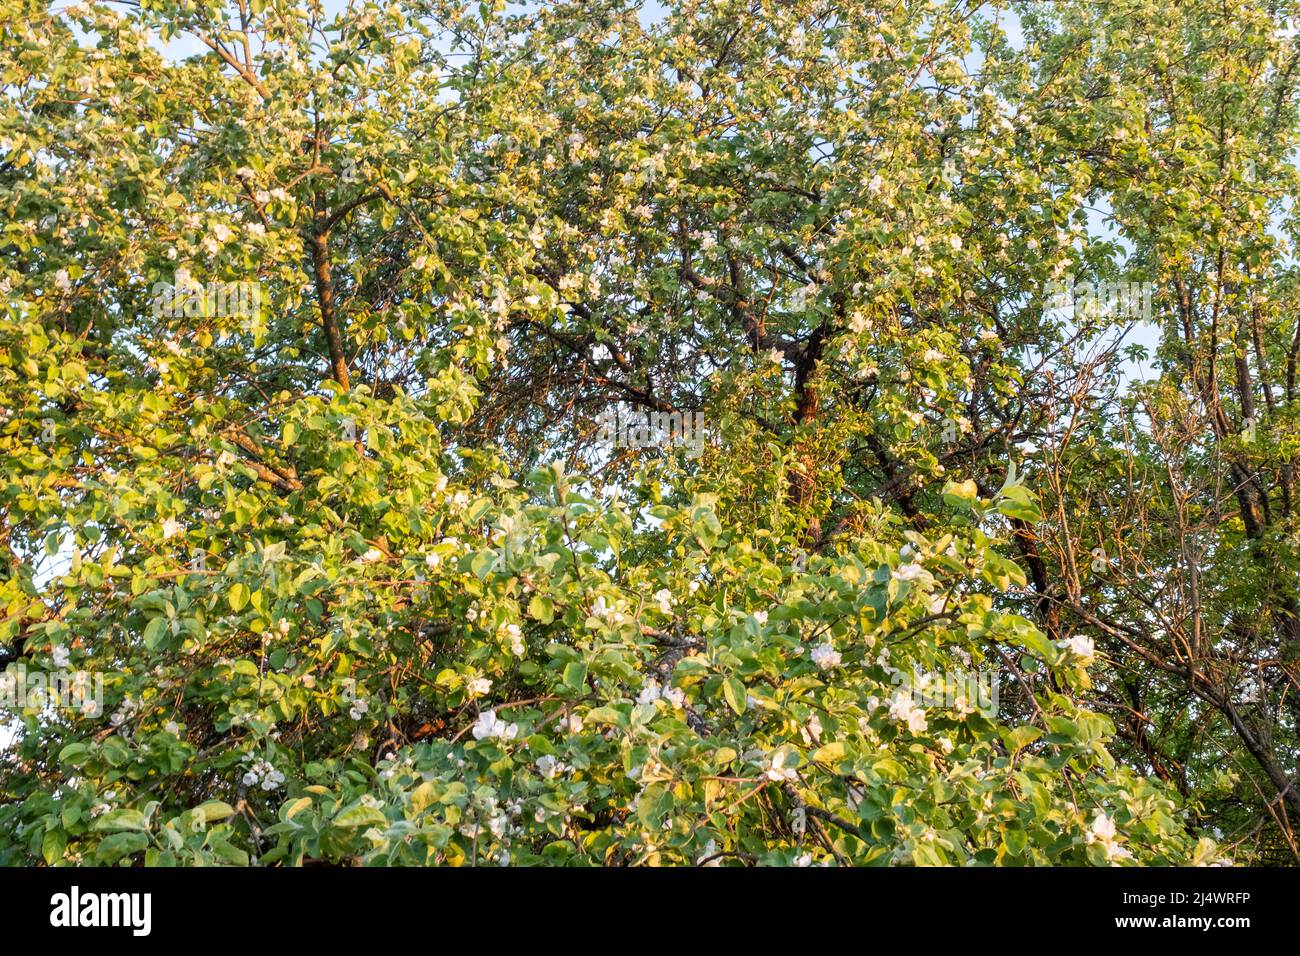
[905, 711]
[650, 693]
[825, 656]
[1081, 647]
[910, 572]
[263, 774]
[549, 767]
[777, 768]
[490, 727]
[1103, 832]
[513, 633]
[1103, 828]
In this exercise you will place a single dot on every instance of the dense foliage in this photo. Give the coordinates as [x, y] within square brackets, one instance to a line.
[364, 577]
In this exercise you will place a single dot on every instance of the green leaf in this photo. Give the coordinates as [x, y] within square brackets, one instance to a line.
[1017, 502]
[53, 845]
[424, 796]
[1021, 737]
[360, 814]
[291, 810]
[114, 847]
[214, 810]
[541, 609]
[734, 693]
[606, 715]
[829, 753]
[237, 596]
[1016, 840]
[230, 854]
[575, 675]
[121, 820]
[155, 632]
[655, 803]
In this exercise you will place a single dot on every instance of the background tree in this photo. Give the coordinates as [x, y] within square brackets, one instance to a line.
[367, 585]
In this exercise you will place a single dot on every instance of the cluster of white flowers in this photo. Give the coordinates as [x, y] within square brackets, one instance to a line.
[910, 572]
[60, 656]
[100, 809]
[549, 767]
[263, 774]
[664, 598]
[124, 712]
[1103, 832]
[606, 611]
[780, 767]
[652, 691]
[490, 727]
[904, 710]
[279, 194]
[218, 237]
[479, 686]
[515, 636]
[825, 656]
